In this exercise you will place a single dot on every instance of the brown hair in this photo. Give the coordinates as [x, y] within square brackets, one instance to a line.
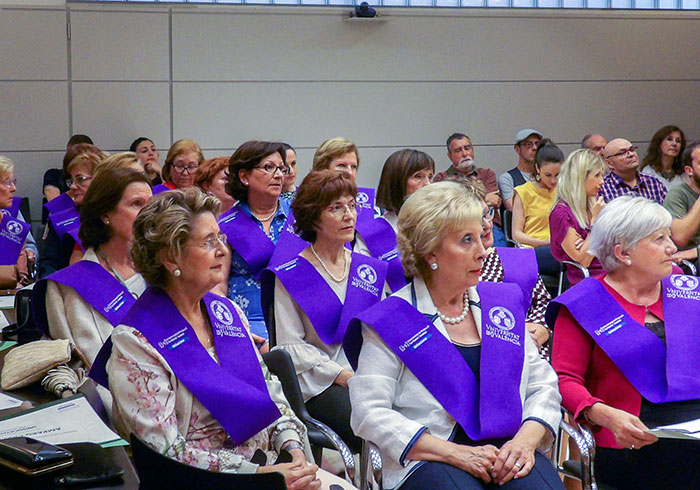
[178, 148]
[318, 189]
[78, 149]
[246, 157]
[653, 156]
[332, 149]
[208, 170]
[102, 197]
[400, 165]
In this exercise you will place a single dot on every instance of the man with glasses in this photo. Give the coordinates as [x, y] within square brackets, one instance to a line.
[624, 178]
[526, 147]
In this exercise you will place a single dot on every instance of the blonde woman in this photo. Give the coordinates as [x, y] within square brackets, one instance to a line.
[575, 210]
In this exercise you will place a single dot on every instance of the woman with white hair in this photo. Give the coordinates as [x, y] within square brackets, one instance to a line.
[448, 383]
[575, 210]
[627, 350]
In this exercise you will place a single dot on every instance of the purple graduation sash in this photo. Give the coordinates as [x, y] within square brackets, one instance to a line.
[520, 267]
[13, 210]
[661, 373]
[157, 189]
[487, 409]
[67, 222]
[96, 286]
[380, 238]
[13, 233]
[329, 316]
[289, 244]
[234, 391]
[60, 203]
[365, 204]
[245, 237]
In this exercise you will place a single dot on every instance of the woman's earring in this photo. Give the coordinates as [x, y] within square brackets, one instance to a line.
[106, 221]
[434, 266]
[245, 183]
[629, 262]
[177, 273]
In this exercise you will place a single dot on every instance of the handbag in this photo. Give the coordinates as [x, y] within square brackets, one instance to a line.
[30, 362]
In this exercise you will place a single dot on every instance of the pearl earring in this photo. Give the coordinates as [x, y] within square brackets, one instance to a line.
[434, 266]
[177, 273]
[629, 262]
[245, 184]
[106, 221]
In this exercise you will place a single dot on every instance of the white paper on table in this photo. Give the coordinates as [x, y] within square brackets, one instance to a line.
[7, 401]
[684, 430]
[60, 422]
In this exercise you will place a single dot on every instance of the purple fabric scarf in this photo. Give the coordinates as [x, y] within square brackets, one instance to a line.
[161, 188]
[246, 238]
[660, 373]
[329, 316]
[381, 242]
[520, 267]
[487, 409]
[234, 391]
[13, 210]
[13, 233]
[96, 286]
[60, 203]
[365, 204]
[67, 222]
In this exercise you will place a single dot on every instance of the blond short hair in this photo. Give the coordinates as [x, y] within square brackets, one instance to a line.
[427, 216]
[124, 159]
[332, 149]
[163, 228]
[6, 165]
[178, 148]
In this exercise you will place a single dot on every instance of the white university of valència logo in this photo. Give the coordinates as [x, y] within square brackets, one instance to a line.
[224, 324]
[365, 278]
[684, 287]
[14, 227]
[11, 231]
[362, 198]
[501, 322]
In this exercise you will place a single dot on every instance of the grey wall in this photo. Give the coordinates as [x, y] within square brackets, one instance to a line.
[225, 75]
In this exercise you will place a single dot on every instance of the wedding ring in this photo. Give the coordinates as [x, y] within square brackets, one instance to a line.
[518, 465]
[632, 446]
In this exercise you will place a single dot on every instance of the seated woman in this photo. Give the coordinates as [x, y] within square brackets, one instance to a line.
[211, 177]
[183, 370]
[626, 350]
[289, 187]
[16, 260]
[147, 153]
[663, 158]
[256, 172]
[449, 384]
[514, 265]
[64, 214]
[575, 210]
[317, 294]
[532, 203]
[404, 172]
[181, 163]
[124, 159]
[86, 300]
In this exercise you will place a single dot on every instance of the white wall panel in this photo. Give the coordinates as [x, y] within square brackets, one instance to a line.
[116, 113]
[33, 45]
[419, 47]
[34, 115]
[120, 45]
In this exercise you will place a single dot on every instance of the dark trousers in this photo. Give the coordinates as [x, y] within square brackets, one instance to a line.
[332, 407]
[432, 476]
[666, 464]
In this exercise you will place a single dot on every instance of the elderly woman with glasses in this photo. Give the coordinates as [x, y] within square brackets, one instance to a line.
[182, 368]
[253, 226]
[449, 384]
[181, 163]
[627, 352]
[319, 291]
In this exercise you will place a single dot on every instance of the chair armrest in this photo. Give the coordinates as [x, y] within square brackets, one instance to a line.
[375, 459]
[584, 270]
[691, 267]
[582, 436]
[337, 442]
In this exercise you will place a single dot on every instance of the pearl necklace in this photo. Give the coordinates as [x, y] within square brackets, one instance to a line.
[345, 266]
[262, 220]
[457, 319]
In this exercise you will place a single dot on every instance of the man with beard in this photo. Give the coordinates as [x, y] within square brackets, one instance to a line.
[683, 202]
[460, 151]
[526, 148]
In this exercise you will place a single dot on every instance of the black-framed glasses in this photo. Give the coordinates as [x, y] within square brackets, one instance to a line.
[528, 144]
[624, 152]
[271, 168]
[79, 180]
[489, 213]
[182, 169]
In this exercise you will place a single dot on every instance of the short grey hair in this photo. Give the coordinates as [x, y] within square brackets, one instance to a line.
[163, 227]
[625, 221]
[427, 216]
[6, 165]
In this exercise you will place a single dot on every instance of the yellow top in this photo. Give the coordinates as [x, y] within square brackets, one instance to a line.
[537, 204]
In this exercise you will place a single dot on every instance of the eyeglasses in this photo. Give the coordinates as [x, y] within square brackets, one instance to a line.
[489, 214]
[338, 210]
[9, 183]
[182, 169]
[631, 149]
[79, 180]
[271, 168]
[213, 242]
[528, 144]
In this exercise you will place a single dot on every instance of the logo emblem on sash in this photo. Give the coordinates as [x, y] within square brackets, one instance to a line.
[684, 283]
[367, 273]
[14, 227]
[502, 318]
[362, 198]
[222, 313]
[5, 212]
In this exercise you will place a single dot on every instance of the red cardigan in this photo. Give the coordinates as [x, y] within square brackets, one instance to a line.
[587, 375]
